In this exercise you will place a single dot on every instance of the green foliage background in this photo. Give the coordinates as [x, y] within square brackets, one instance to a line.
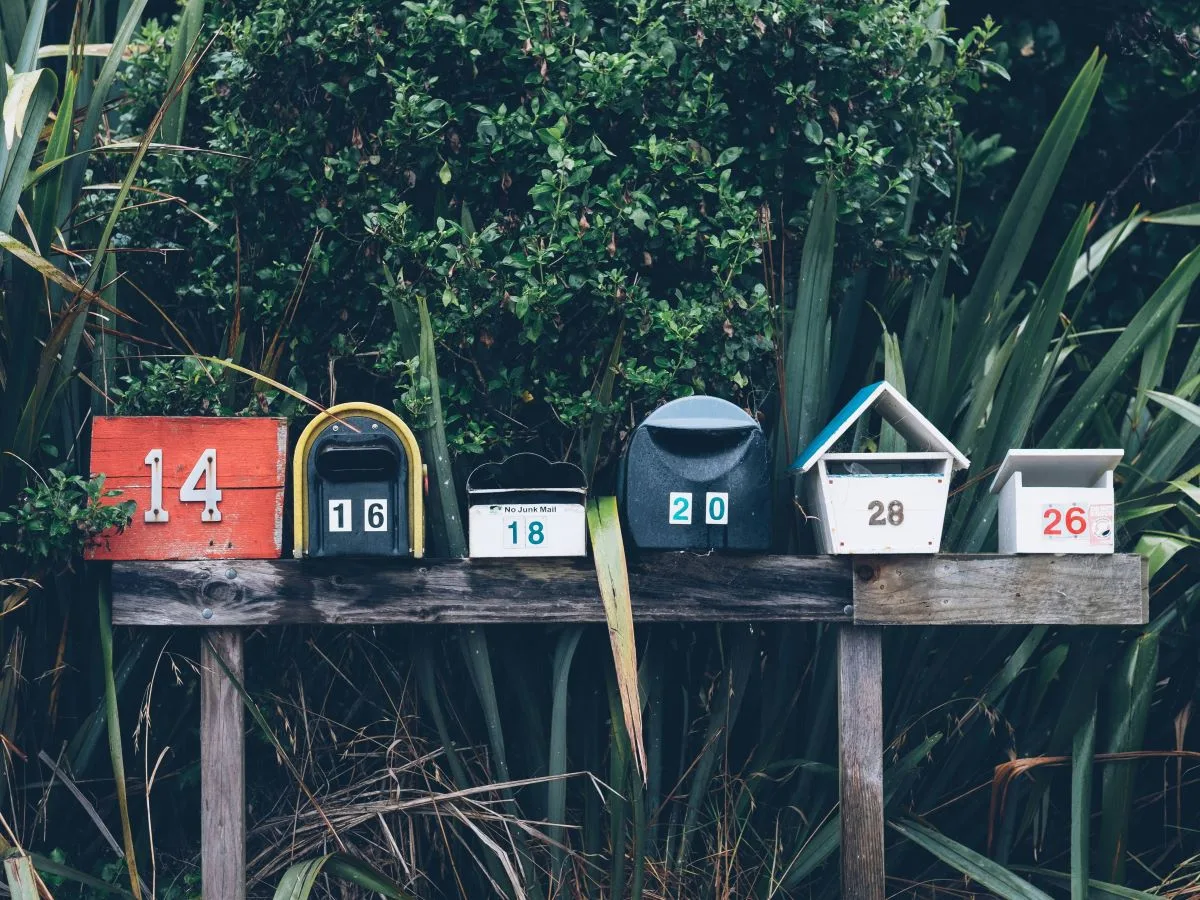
[542, 175]
[543, 183]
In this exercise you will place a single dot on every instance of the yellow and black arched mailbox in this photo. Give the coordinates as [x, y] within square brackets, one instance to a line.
[359, 485]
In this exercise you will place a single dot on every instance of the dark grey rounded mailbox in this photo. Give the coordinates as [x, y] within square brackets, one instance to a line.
[696, 476]
[358, 482]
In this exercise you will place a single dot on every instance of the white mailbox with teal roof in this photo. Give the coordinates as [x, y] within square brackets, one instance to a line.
[878, 502]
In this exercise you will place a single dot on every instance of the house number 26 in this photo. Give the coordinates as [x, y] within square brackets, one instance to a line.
[209, 495]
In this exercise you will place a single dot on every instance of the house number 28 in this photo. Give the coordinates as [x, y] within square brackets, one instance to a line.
[894, 513]
[190, 492]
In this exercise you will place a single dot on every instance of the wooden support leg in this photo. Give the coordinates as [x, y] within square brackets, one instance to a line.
[860, 767]
[222, 768]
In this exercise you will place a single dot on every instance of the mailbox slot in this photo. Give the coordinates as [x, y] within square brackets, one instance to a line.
[696, 476]
[358, 485]
[858, 465]
[365, 463]
[527, 506]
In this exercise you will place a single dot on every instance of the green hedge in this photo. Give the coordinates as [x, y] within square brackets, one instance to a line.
[545, 175]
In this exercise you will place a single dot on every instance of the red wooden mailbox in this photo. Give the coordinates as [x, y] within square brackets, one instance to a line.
[205, 488]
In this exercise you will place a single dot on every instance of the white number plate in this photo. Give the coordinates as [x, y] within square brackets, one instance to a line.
[341, 516]
[527, 529]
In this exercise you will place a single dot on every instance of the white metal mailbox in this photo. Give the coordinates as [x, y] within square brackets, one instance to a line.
[879, 502]
[1057, 501]
[527, 506]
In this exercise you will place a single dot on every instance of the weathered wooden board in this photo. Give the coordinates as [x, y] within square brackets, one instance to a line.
[860, 760]
[222, 767]
[1001, 590]
[250, 460]
[666, 587]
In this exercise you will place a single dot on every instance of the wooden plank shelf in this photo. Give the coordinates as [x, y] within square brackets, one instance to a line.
[666, 587]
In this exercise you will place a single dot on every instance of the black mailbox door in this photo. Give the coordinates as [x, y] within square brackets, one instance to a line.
[696, 477]
[358, 491]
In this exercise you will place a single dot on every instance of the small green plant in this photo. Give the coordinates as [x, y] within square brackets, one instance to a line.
[58, 517]
[184, 387]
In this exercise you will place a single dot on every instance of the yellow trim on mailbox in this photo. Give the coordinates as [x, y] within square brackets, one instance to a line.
[416, 470]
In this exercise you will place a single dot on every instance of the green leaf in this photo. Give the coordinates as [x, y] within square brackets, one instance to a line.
[976, 866]
[435, 432]
[116, 752]
[1101, 249]
[1132, 689]
[1080, 409]
[1177, 405]
[556, 789]
[22, 880]
[1082, 751]
[812, 131]
[298, 881]
[178, 69]
[1018, 226]
[1180, 215]
[805, 356]
[77, 167]
[728, 157]
[444, 173]
[608, 552]
[26, 106]
[1158, 549]
[1101, 890]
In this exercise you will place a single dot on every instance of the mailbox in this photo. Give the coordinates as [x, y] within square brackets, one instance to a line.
[1057, 501]
[879, 502]
[695, 476]
[359, 485]
[527, 506]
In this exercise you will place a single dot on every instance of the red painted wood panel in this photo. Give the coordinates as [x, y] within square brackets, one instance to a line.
[251, 462]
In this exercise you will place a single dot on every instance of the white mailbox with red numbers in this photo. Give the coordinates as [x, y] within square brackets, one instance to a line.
[1057, 501]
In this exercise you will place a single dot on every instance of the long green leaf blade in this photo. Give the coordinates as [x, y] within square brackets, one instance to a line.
[608, 551]
[976, 866]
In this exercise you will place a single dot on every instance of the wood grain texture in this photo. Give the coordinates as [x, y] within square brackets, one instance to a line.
[666, 587]
[251, 464]
[1001, 590]
[222, 767]
[860, 765]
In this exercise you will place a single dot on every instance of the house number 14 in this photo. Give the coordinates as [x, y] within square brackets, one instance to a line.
[209, 495]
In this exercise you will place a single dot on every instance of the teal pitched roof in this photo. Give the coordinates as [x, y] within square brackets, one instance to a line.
[895, 409]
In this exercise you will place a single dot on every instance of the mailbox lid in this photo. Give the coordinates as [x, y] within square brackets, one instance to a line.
[700, 413]
[526, 478]
[1057, 468]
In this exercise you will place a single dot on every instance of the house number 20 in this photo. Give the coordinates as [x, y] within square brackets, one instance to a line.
[209, 495]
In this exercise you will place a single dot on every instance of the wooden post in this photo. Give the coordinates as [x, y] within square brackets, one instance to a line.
[222, 767]
[860, 765]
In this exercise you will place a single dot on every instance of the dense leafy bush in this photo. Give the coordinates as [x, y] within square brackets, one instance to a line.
[56, 518]
[546, 177]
